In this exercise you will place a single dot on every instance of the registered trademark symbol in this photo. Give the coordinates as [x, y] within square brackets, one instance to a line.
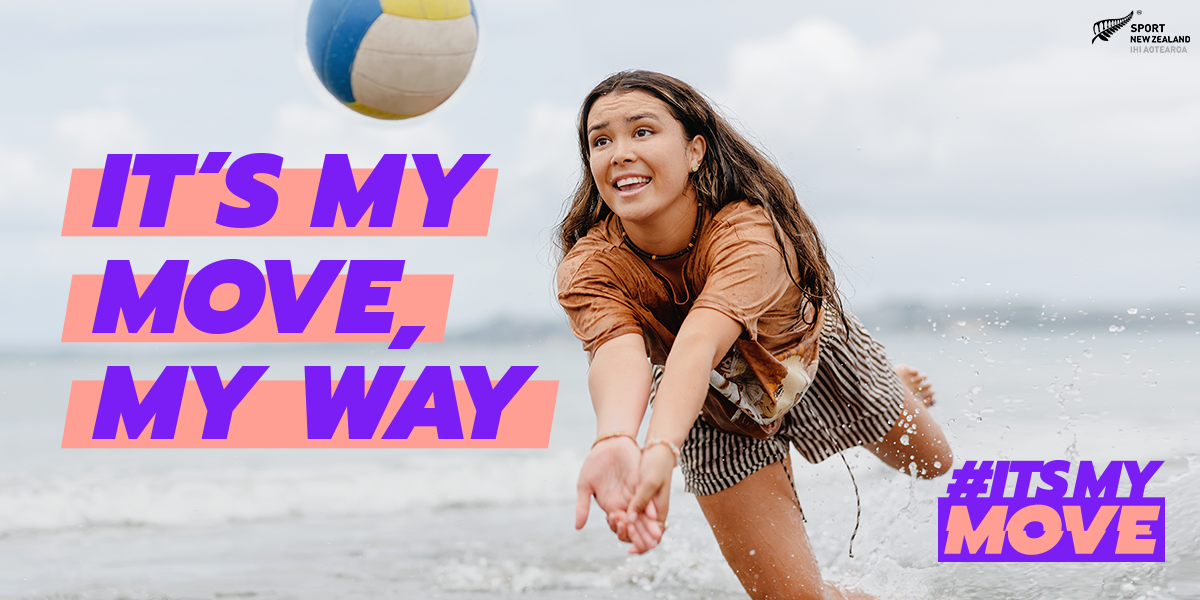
[1139, 12]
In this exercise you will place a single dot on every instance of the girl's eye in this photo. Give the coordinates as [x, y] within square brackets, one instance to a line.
[642, 132]
[598, 142]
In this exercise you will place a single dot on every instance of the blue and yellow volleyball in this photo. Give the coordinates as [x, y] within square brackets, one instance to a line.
[392, 59]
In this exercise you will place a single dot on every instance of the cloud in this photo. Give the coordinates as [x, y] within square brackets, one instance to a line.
[19, 171]
[303, 134]
[817, 67]
[545, 168]
[34, 176]
[92, 132]
[906, 122]
[22, 189]
[819, 71]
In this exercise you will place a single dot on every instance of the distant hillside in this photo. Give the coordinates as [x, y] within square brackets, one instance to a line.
[911, 317]
[509, 329]
[918, 317]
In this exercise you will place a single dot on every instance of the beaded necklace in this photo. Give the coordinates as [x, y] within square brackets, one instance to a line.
[647, 255]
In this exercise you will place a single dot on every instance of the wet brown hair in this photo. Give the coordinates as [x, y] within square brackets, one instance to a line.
[732, 169]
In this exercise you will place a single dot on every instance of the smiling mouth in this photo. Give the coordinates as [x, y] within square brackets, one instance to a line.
[626, 184]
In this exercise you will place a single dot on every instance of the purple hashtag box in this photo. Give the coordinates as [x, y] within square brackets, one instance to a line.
[1051, 530]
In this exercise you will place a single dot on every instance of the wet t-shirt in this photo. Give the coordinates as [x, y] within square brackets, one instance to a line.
[736, 268]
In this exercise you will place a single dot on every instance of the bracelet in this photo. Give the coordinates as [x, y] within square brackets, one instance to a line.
[613, 434]
[656, 441]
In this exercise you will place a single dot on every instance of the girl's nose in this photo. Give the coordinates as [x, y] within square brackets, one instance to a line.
[623, 153]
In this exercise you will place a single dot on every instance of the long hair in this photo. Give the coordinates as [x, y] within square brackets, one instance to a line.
[732, 169]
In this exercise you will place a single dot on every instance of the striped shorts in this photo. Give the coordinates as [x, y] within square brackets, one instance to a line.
[854, 400]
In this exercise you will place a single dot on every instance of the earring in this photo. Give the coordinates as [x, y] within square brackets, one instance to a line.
[695, 168]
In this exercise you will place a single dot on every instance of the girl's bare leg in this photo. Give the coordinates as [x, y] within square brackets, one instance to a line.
[915, 439]
[759, 528]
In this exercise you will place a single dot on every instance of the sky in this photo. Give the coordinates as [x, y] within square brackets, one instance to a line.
[948, 152]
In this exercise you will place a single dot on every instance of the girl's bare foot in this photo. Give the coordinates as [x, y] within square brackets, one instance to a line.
[917, 383]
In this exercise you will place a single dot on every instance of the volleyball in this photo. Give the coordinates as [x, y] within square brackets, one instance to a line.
[392, 59]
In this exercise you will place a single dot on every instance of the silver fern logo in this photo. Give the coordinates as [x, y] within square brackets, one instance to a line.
[1106, 28]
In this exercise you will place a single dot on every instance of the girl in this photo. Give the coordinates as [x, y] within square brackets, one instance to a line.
[685, 246]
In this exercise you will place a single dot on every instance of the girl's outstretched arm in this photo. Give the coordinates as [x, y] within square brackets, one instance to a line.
[703, 340]
[619, 382]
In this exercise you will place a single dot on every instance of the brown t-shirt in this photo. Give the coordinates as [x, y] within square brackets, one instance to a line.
[736, 268]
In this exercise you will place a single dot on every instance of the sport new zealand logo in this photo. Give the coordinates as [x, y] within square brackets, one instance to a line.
[1106, 28]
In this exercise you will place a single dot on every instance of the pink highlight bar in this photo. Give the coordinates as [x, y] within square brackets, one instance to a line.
[272, 415]
[414, 300]
[195, 199]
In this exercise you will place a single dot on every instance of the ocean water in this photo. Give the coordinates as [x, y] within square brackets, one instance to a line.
[468, 524]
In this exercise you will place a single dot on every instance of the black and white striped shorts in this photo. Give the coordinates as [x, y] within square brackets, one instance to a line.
[854, 400]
